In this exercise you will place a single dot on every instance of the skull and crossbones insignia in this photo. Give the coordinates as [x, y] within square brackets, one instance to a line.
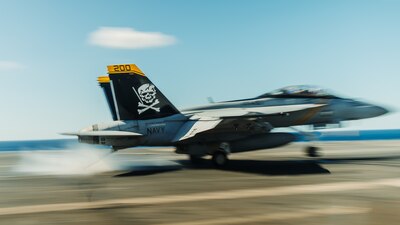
[147, 96]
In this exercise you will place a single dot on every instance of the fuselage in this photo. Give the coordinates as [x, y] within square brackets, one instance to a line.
[334, 109]
[161, 131]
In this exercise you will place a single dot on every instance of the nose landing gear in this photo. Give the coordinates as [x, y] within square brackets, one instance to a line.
[312, 151]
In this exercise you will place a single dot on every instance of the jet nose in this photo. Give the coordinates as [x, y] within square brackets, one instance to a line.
[370, 110]
[361, 110]
[378, 110]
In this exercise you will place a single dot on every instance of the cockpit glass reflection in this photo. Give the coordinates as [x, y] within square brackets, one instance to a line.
[297, 91]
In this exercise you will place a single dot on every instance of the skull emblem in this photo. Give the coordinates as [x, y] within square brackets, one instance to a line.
[147, 93]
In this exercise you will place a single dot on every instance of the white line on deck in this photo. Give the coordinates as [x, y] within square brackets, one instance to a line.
[299, 214]
[206, 196]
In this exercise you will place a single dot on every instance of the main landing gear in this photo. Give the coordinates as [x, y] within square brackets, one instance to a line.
[220, 156]
[219, 159]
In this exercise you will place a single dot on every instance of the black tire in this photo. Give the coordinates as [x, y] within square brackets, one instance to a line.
[220, 159]
[312, 151]
[195, 159]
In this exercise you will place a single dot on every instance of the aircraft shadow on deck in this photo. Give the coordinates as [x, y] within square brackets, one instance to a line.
[149, 170]
[349, 160]
[261, 167]
[265, 167]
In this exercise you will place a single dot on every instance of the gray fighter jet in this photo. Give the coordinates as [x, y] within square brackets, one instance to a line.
[143, 116]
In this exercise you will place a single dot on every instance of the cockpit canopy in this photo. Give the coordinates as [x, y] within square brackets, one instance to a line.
[299, 91]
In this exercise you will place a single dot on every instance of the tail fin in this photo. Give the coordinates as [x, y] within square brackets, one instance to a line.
[136, 96]
[104, 82]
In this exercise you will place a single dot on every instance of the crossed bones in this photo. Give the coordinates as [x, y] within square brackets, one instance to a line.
[147, 107]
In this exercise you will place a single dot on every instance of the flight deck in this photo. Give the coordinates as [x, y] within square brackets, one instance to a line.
[352, 183]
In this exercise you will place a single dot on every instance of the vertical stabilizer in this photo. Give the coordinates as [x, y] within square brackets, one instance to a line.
[136, 96]
[104, 82]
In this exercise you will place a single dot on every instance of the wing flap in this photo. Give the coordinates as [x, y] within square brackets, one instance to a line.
[193, 127]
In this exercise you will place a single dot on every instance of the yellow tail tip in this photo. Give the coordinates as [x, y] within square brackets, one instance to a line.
[103, 79]
[124, 68]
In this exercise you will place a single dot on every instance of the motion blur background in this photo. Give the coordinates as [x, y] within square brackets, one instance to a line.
[53, 51]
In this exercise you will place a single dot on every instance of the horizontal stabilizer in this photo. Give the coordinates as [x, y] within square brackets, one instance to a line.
[106, 133]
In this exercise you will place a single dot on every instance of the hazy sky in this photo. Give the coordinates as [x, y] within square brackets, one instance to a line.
[53, 51]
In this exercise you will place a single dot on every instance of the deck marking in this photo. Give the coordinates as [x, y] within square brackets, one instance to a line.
[206, 196]
[298, 214]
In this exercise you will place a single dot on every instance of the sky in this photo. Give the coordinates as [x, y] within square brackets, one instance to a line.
[51, 53]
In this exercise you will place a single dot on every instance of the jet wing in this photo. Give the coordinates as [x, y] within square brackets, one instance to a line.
[105, 133]
[254, 112]
[205, 121]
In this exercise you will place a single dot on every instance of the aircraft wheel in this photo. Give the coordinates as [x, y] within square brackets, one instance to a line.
[313, 151]
[195, 159]
[220, 158]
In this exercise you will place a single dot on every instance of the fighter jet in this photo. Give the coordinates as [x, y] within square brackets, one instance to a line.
[143, 116]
